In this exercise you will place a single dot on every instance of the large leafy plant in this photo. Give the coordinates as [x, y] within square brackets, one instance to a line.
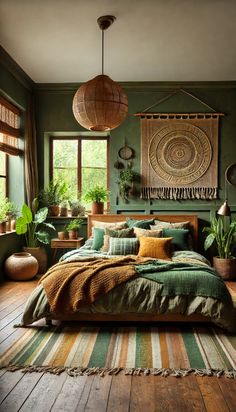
[97, 194]
[33, 225]
[222, 236]
[53, 194]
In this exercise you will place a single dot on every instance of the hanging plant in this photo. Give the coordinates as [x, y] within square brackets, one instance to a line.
[126, 183]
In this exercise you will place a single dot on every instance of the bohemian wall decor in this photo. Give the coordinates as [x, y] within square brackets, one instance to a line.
[179, 155]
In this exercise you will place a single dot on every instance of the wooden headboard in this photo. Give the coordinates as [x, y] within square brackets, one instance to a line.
[192, 219]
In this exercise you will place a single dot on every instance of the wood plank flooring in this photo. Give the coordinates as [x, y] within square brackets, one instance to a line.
[41, 392]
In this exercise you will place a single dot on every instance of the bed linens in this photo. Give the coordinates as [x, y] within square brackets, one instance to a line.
[143, 294]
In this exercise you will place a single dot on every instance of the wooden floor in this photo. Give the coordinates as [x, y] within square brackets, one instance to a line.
[41, 392]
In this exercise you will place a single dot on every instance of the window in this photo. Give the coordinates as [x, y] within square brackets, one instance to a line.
[81, 162]
[3, 175]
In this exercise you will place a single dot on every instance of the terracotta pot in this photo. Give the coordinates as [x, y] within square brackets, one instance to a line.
[21, 266]
[54, 210]
[3, 227]
[225, 267]
[63, 211]
[41, 255]
[13, 224]
[61, 235]
[8, 224]
[97, 208]
[73, 234]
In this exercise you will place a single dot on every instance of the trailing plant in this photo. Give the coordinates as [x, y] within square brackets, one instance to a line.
[74, 224]
[126, 181]
[97, 194]
[222, 236]
[33, 225]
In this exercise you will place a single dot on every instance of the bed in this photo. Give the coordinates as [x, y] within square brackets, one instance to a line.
[144, 297]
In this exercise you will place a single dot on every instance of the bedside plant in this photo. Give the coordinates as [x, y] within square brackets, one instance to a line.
[97, 195]
[73, 227]
[223, 237]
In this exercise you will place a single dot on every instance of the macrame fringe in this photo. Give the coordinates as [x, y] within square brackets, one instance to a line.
[164, 372]
[179, 193]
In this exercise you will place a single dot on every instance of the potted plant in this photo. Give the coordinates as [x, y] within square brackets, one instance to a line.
[11, 212]
[126, 183]
[64, 208]
[73, 227]
[97, 195]
[3, 216]
[76, 208]
[223, 237]
[52, 196]
[33, 225]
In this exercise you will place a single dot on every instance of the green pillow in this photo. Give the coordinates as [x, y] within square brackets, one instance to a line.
[180, 238]
[98, 238]
[123, 246]
[120, 233]
[143, 224]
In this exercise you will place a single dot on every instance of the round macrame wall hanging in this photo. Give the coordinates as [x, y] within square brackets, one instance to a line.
[180, 153]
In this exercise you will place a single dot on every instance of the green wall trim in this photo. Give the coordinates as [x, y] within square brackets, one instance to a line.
[13, 67]
[138, 86]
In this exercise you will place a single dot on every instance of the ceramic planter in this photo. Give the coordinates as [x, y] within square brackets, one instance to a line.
[97, 208]
[21, 266]
[225, 267]
[73, 234]
[54, 210]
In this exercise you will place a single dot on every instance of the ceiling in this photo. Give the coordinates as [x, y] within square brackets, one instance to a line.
[151, 40]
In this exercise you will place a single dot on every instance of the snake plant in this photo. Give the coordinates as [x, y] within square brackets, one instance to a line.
[220, 235]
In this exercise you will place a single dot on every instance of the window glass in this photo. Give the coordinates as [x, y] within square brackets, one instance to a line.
[65, 164]
[93, 164]
[3, 175]
[81, 163]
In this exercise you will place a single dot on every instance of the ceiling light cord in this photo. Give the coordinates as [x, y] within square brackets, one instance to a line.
[102, 51]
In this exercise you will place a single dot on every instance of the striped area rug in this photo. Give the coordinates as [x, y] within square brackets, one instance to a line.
[165, 350]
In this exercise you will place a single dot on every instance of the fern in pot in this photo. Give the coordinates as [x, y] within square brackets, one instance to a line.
[223, 237]
[97, 195]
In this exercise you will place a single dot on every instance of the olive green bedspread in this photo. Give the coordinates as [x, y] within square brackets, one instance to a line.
[185, 286]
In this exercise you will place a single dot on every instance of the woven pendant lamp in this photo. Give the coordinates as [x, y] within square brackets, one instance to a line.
[100, 104]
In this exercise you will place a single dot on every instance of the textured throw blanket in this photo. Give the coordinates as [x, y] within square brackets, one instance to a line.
[180, 278]
[69, 285]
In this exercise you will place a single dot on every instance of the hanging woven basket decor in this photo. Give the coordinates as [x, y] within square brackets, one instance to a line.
[100, 104]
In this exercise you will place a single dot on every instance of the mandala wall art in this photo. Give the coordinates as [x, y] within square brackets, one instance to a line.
[179, 155]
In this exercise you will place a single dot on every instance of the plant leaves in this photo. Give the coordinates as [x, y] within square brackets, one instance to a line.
[27, 214]
[209, 240]
[49, 225]
[41, 215]
[21, 226]
[43, 237]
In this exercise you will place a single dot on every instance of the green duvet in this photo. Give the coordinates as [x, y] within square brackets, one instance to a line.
[187, 285]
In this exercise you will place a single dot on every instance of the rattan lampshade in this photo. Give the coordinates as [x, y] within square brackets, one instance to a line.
[100, 104]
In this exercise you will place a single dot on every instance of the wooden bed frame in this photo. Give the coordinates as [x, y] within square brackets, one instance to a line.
[138, 317]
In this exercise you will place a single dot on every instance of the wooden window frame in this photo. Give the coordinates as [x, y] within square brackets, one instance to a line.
[79, 168]
[6, 175]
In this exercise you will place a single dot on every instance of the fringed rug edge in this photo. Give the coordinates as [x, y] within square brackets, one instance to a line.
[164, 372]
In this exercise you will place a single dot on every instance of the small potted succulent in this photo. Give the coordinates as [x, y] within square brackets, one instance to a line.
[76, 208]
[73, 227]
[64, 208]
[97, 195]
[3, 217]
[223, 237]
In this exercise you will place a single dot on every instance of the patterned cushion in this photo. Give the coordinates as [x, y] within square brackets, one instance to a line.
[147, 232]
[123, 246]
[144, 224]
[180, 238]
[109, 225]
[159, 248]
[98, 238]
[115, 233]
[160, 224]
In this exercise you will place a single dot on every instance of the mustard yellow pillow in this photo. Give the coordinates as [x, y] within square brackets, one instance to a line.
[154, 247]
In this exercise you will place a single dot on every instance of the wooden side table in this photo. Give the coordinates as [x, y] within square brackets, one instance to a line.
[65, 244]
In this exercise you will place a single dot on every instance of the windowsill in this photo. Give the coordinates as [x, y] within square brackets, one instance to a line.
[7, 233]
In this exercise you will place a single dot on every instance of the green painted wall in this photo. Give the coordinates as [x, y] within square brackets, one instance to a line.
[54, 115]
[15, 86]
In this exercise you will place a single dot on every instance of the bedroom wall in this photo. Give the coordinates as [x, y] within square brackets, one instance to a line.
[54, 115]
[16, 86]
